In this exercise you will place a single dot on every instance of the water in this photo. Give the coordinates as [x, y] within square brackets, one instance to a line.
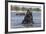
[16, 20]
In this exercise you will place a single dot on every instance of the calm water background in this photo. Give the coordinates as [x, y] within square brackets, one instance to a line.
[16, 20]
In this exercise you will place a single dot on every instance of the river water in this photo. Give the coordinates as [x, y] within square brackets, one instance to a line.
[16, 20]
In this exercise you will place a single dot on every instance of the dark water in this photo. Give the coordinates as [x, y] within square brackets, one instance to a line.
[16, 20]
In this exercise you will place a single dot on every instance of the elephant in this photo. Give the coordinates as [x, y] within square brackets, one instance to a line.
[28, 18]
